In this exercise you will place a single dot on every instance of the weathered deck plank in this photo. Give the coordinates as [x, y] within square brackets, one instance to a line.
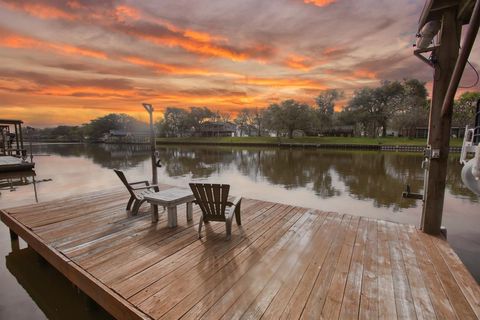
[284, 262]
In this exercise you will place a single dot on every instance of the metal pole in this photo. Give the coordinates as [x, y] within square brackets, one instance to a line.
[462, 59]
[21, 136]
[16, 140]
[150, 110]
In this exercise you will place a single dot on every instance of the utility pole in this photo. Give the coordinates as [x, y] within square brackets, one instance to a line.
[149, 109]
[444, 58]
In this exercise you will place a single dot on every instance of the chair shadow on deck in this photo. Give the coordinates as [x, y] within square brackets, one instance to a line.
[219, 253]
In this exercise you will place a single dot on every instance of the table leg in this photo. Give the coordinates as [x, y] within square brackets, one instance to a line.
[154, 212]
[172, 216]
[189, 211]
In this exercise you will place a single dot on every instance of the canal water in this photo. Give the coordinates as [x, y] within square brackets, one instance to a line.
[354, 182]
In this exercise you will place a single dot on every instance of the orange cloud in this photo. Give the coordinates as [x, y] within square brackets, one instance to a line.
[364, 74]
[199, 47]
[211, 100]
[319, 3]
[24, 42]
[151, 29]
[298, 62]
[87, 92]
[162, 67]
[284, 83]
[124, 12]
[201, 36]
[173, 69]
[352, 75]
[42, 11]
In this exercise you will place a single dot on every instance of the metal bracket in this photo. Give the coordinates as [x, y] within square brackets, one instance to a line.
[411, 195]
[431, 62]
[430, 153]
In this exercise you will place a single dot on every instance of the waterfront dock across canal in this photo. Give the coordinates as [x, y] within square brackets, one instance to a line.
[284, 262]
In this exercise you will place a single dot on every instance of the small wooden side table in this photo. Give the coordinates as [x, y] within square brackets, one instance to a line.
[171, 198]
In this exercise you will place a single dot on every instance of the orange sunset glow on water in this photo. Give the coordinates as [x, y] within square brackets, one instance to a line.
[66, 62]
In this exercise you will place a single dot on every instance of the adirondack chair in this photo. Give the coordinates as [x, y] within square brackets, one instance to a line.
[136, 193]
[213, 201]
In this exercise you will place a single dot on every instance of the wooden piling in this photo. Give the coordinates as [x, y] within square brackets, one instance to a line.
[445, 58]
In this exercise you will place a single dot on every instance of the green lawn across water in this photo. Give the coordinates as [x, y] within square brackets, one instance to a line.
[320, 140]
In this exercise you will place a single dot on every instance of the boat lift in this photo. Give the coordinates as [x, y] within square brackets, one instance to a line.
[438, 45]
[13, 154]
[471, 145]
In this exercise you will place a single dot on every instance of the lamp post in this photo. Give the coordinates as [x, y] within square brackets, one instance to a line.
[149, 109]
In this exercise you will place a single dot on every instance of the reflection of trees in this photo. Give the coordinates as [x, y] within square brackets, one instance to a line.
[201, 162]
[380, 176]
[120, 156]
[293, 169]
[51, 292]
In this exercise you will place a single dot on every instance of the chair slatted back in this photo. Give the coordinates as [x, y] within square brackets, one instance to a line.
[212, 199]
[122, 177]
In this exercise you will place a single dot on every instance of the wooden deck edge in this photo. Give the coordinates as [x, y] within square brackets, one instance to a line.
[116, 305]
[4, 168]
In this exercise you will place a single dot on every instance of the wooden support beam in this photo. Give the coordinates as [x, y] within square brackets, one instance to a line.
[445, 58]
[13, 235]
[462, 59]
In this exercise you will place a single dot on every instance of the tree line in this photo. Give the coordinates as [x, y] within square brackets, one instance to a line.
[94, 130]
[402, 106]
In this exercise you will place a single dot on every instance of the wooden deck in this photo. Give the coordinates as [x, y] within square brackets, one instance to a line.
[9, 163]
[285, 262]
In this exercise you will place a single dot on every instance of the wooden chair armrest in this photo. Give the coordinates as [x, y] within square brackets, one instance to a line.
[138, 182]
[232, 206]
[146, 187]
[230, 213]
[235, 201]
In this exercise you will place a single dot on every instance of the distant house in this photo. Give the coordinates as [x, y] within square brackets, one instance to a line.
[248, 130]
[216, 129]
[455, 132]
[338, 131]
[123, 136]
[392, 133]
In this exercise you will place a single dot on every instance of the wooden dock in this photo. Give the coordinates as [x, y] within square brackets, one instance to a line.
[10, 163]
[285, 262]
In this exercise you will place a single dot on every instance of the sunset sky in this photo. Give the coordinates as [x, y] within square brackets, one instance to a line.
[66, 62]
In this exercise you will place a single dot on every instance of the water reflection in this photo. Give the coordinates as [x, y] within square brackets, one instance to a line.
[59, 299]
[106, 155]
[363, 175]
[375, 176]
[198, 162]
[354, 182]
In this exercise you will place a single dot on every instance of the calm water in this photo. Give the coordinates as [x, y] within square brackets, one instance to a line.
[359, 183]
